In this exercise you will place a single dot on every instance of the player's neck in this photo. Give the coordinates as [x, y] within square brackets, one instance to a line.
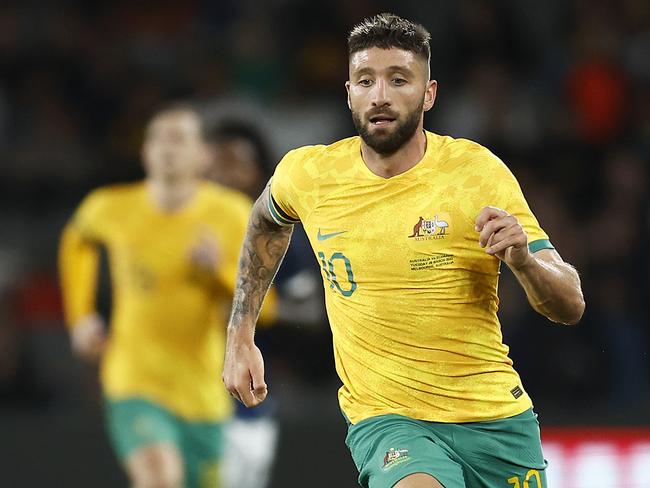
[171, 195]
[389, 165]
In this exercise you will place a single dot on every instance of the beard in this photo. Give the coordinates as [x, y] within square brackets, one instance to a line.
[387, 141]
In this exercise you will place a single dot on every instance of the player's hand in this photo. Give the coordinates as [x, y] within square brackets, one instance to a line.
[88, 337]
[503, 236]
[204, 254]
[243, 370]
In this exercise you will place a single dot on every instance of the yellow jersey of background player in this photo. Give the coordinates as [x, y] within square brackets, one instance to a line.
[172, 243]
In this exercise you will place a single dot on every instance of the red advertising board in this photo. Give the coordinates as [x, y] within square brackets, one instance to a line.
[597, 457]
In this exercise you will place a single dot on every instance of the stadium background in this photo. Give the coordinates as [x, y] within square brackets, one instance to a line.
[558, 89]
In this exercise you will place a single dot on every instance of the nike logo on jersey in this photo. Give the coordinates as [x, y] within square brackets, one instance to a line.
[324, 237]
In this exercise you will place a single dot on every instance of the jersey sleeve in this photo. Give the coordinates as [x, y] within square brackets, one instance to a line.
[288, 187]
[79, 258]
[509, 197]
[89, 218]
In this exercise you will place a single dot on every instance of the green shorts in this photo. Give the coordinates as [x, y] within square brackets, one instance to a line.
[135, 422]
[498, 453]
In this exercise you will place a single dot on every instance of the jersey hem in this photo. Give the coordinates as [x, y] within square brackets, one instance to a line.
[179, 412]
[422, 415]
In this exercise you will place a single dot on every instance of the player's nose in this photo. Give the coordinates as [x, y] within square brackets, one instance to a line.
[379, 95]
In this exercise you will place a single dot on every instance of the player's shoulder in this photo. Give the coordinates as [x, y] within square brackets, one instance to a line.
[108, 195]
[220, 196]
[109, 202]
[321, 155]
[466, 153]
[459, 146]
[337, 149]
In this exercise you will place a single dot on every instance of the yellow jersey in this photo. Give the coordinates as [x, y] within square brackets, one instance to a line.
[168, 317]
[411, 296]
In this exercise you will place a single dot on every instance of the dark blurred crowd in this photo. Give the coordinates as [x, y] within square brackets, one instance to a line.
[558, 89]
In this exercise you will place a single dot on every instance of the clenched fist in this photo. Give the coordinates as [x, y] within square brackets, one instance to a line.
[503, 236]
[88, 337]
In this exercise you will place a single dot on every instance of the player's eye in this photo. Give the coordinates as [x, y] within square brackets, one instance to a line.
[365, 82]
[399, 81]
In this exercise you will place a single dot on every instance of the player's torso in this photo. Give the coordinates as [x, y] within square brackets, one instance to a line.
[404, 250]
[167, 318]
[154, 279]
[151, 250]
[411, 296]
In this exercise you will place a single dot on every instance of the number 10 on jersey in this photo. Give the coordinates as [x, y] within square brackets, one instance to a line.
[328, 268]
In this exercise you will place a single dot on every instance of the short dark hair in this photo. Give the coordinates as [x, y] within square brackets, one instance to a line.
[230, 129]
[386, 31]
[175, 106]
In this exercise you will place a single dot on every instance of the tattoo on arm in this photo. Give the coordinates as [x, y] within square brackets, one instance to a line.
[262, 252]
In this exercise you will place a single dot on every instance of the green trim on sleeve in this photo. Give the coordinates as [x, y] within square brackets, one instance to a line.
[281, 212]
[279, 219]
[540, 244]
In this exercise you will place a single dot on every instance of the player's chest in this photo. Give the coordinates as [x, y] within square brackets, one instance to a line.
[162, 245]
[395, 231]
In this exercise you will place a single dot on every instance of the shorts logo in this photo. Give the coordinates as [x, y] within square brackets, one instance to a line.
[426, 229]
[395, 456]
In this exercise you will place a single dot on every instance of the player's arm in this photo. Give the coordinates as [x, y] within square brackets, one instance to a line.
[78, 269]
[264, 247]
[551, 285]
[218, 260]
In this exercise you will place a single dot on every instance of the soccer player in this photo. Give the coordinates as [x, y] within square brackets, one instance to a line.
[240, 156]
[410, 228]
[239, 159]
[173, 243]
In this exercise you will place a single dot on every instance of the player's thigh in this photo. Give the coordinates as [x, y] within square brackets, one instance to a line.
[135, 422]
[156, 466]
[146, 439]
[419, 480]
[202, 446]
[506, 452]
[391, 449]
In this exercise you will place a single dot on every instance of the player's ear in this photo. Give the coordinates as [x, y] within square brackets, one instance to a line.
[347, 89]
[204, 159]
[144, 157]
[430, 94]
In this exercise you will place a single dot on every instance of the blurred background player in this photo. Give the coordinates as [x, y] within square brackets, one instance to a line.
[173, 242]
[239, 158]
